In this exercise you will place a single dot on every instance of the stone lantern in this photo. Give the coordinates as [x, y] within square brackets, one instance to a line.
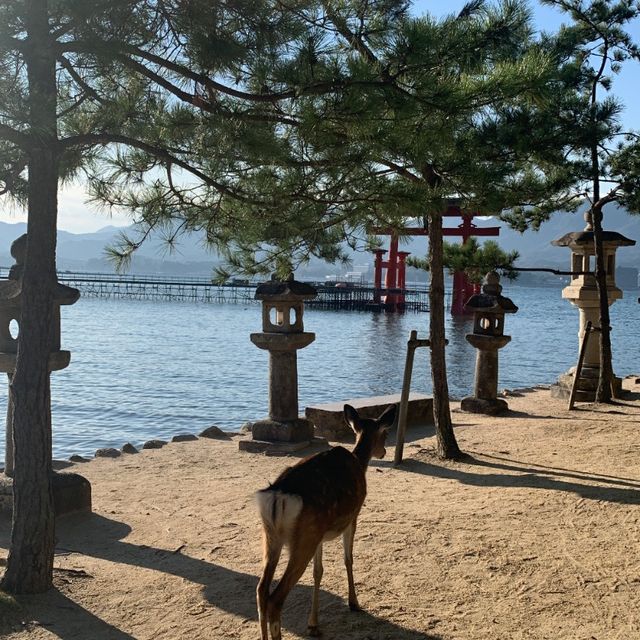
[488, 310]
[10, 306]
[582, 292]
[282, 335]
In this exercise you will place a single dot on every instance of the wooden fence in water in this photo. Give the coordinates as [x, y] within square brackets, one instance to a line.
[201, 289]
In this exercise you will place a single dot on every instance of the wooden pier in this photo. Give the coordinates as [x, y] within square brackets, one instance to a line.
[238, 291]
[361, 298]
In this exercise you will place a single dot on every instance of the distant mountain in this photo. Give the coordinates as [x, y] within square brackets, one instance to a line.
[535, 247]
[85, 251]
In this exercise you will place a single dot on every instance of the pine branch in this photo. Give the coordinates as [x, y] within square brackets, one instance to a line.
[18, 138]
[94, 139]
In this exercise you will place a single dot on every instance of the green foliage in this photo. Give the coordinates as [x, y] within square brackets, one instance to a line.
[624, 163]
[282, 132]
[474, 260]
[593, 150]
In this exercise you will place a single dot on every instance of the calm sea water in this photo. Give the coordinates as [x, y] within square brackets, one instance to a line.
[142, 370]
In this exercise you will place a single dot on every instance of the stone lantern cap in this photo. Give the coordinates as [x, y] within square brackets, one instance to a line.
[285, 290]
[490, 300]
[11, 289]
[585, 238]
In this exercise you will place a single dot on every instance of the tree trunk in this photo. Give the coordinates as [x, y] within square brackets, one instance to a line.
[446, 446]
[30, 561]
[605, 380]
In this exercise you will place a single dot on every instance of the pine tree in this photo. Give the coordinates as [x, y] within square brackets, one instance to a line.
[417, 111]
[128, 84]
[608, 157]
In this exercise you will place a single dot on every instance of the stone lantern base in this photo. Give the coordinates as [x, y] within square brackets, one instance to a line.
[491, 407]
[278, 436]
[71, 493]
[587, 385]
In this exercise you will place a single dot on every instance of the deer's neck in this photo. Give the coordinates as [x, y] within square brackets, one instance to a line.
[363, 451]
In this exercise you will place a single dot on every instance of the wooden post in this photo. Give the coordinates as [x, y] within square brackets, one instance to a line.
[412, 345]
[576, 377]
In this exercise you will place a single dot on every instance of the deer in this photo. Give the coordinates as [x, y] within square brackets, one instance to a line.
[315, 500]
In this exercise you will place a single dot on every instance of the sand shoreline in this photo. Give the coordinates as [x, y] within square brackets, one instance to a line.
[534, 536]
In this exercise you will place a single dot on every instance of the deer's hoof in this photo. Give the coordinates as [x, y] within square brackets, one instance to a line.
[313, 631]
[354, 606]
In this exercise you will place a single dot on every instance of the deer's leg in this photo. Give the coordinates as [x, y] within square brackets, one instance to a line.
[347, 540]
[272, 549]
[301, 550]
[317, 576]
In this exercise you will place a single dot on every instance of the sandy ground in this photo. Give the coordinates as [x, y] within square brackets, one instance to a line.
[536, 535]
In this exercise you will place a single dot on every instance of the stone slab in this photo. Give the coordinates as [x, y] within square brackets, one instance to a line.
[329, 422]
[298, 430]
[486, 407]
[71, 494]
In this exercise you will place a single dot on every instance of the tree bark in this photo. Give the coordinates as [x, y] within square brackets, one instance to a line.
[30, 561]
[605, 376]
[605, 379]
[446, 445]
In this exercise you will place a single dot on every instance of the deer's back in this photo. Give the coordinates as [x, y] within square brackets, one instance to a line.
[331, 483]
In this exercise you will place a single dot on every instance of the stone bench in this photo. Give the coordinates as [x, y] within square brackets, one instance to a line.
[328, 419]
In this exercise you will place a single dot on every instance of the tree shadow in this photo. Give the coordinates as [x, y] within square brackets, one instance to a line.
[512, 413]
[52, 608]
[623, 491]
[555, 471]
[572, 415]
[230, 590]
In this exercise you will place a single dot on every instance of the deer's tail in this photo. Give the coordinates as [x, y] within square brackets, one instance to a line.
[279, 511]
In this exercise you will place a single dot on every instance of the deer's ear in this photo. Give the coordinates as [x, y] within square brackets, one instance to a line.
[352, 418]
[388, 416]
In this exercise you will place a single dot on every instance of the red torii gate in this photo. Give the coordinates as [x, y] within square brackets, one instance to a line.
[395, 279]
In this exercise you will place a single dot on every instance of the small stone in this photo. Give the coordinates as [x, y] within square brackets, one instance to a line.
[107, 453]
[128, 448]
[184, 437]
[76, 458]
[154, 444]
[247, 427]
[60, 464]
[214, 432]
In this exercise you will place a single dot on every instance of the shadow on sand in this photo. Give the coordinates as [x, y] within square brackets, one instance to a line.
[618, 490]
[230, 590]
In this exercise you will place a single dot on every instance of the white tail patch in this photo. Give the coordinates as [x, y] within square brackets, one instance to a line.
[279, 511]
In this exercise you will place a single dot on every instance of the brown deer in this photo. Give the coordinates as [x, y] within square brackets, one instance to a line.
[316, 500]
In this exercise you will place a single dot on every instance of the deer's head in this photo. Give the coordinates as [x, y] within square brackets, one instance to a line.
[370, 430]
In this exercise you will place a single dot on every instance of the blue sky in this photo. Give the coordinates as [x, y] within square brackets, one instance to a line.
[77, 217]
